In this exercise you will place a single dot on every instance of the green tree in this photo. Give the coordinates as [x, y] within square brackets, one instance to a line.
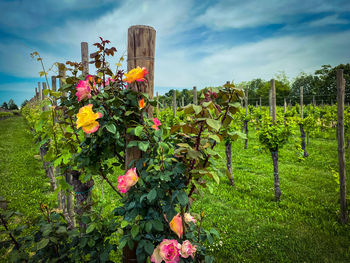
[12, 105]
[5, 106]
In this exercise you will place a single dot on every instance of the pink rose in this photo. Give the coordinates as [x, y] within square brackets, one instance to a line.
[187, 249]
[176, 225]
[83, 90]
[189, 218]
[167, 250]
[156, 123]
[126, 181]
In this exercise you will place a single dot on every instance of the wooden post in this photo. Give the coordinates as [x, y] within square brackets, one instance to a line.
[301, 102]
[43, 96]
[256, 104]
[182, 101]
[157, 104]
[270, 101]
[285, 105]
[39, 91]
[141, 48]
[174, 102]
[274, 151]
[313, 101]
[246, 121]
[54, 88]
[302, 132]
[341, 146]
[273, 100]
[195, 101]
[260, 102]
[85, 58]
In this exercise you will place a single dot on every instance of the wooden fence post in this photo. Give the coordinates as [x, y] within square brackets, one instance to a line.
[274, 151]
[182, 101]
[273, 100]
[174, 103]
[141, 47]
[313, 101]
[195, 101]
[157, 104]
[85, 58]
[39, 91]
[245, 120]
[302, 132]
[260, 102]
[341, 146]
[270, 100]
[54, 88]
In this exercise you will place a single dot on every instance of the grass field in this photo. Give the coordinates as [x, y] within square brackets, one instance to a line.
[303, 227]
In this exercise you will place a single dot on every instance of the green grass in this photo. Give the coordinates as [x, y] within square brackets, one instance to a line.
[303, 227]
[23, 181]
[5, 114]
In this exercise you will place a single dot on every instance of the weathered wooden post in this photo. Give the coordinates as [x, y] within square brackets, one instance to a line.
[302, 132]
[174, 103]
[260, 102]
[157, 104]
[341, 146]
[36, 93]
[54, 88]
[85, 57]
[270, 101]
[313, 101]
[195, 101]
[141, 48]
[228, 151]
[246, 116]
[274, 152]
[273, 100]
[39, 91]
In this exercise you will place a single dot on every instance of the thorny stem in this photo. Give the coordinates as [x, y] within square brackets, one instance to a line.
[3, 221]
[105, 177]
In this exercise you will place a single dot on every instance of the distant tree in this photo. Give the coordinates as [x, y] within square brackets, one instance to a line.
[24, 103]
[5, 106]
[254, 86]
[12, 105]
[309, 84]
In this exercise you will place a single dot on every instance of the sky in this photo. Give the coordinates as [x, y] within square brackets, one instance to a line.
[198, 43]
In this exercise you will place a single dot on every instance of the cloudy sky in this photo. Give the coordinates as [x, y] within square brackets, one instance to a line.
[199, 43]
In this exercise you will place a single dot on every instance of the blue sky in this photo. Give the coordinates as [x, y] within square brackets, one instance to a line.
[199, 43]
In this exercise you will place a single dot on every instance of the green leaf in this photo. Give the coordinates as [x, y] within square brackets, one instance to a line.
[111, 128]
[214, 124]
[132, 144]
[124, 223]
[143, 146]
[148, 226]
[138, 130]
[42, 243]
[182, 197]
[149, 247]
[90, 228]
[157, 225]
[135, 230]
[152, 195]
[61, 230]
[128, 113]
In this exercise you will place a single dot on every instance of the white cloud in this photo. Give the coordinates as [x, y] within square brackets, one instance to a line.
[328, 20]
[247, 14]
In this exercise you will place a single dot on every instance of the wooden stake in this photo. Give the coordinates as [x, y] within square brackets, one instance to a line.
[182, 101]
[195, 101]
[141, 48]
[273, 100]
[54, 88]
[260, 102]
[341, 146]
[157, 104]
[313, 101]
[270, 103]
[85, 58]
[301, 102]
[285, 105]
[39, 91]
[174, 102]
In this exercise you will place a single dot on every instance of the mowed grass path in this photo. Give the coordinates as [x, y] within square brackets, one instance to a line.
[23, 181]
[303, 227]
